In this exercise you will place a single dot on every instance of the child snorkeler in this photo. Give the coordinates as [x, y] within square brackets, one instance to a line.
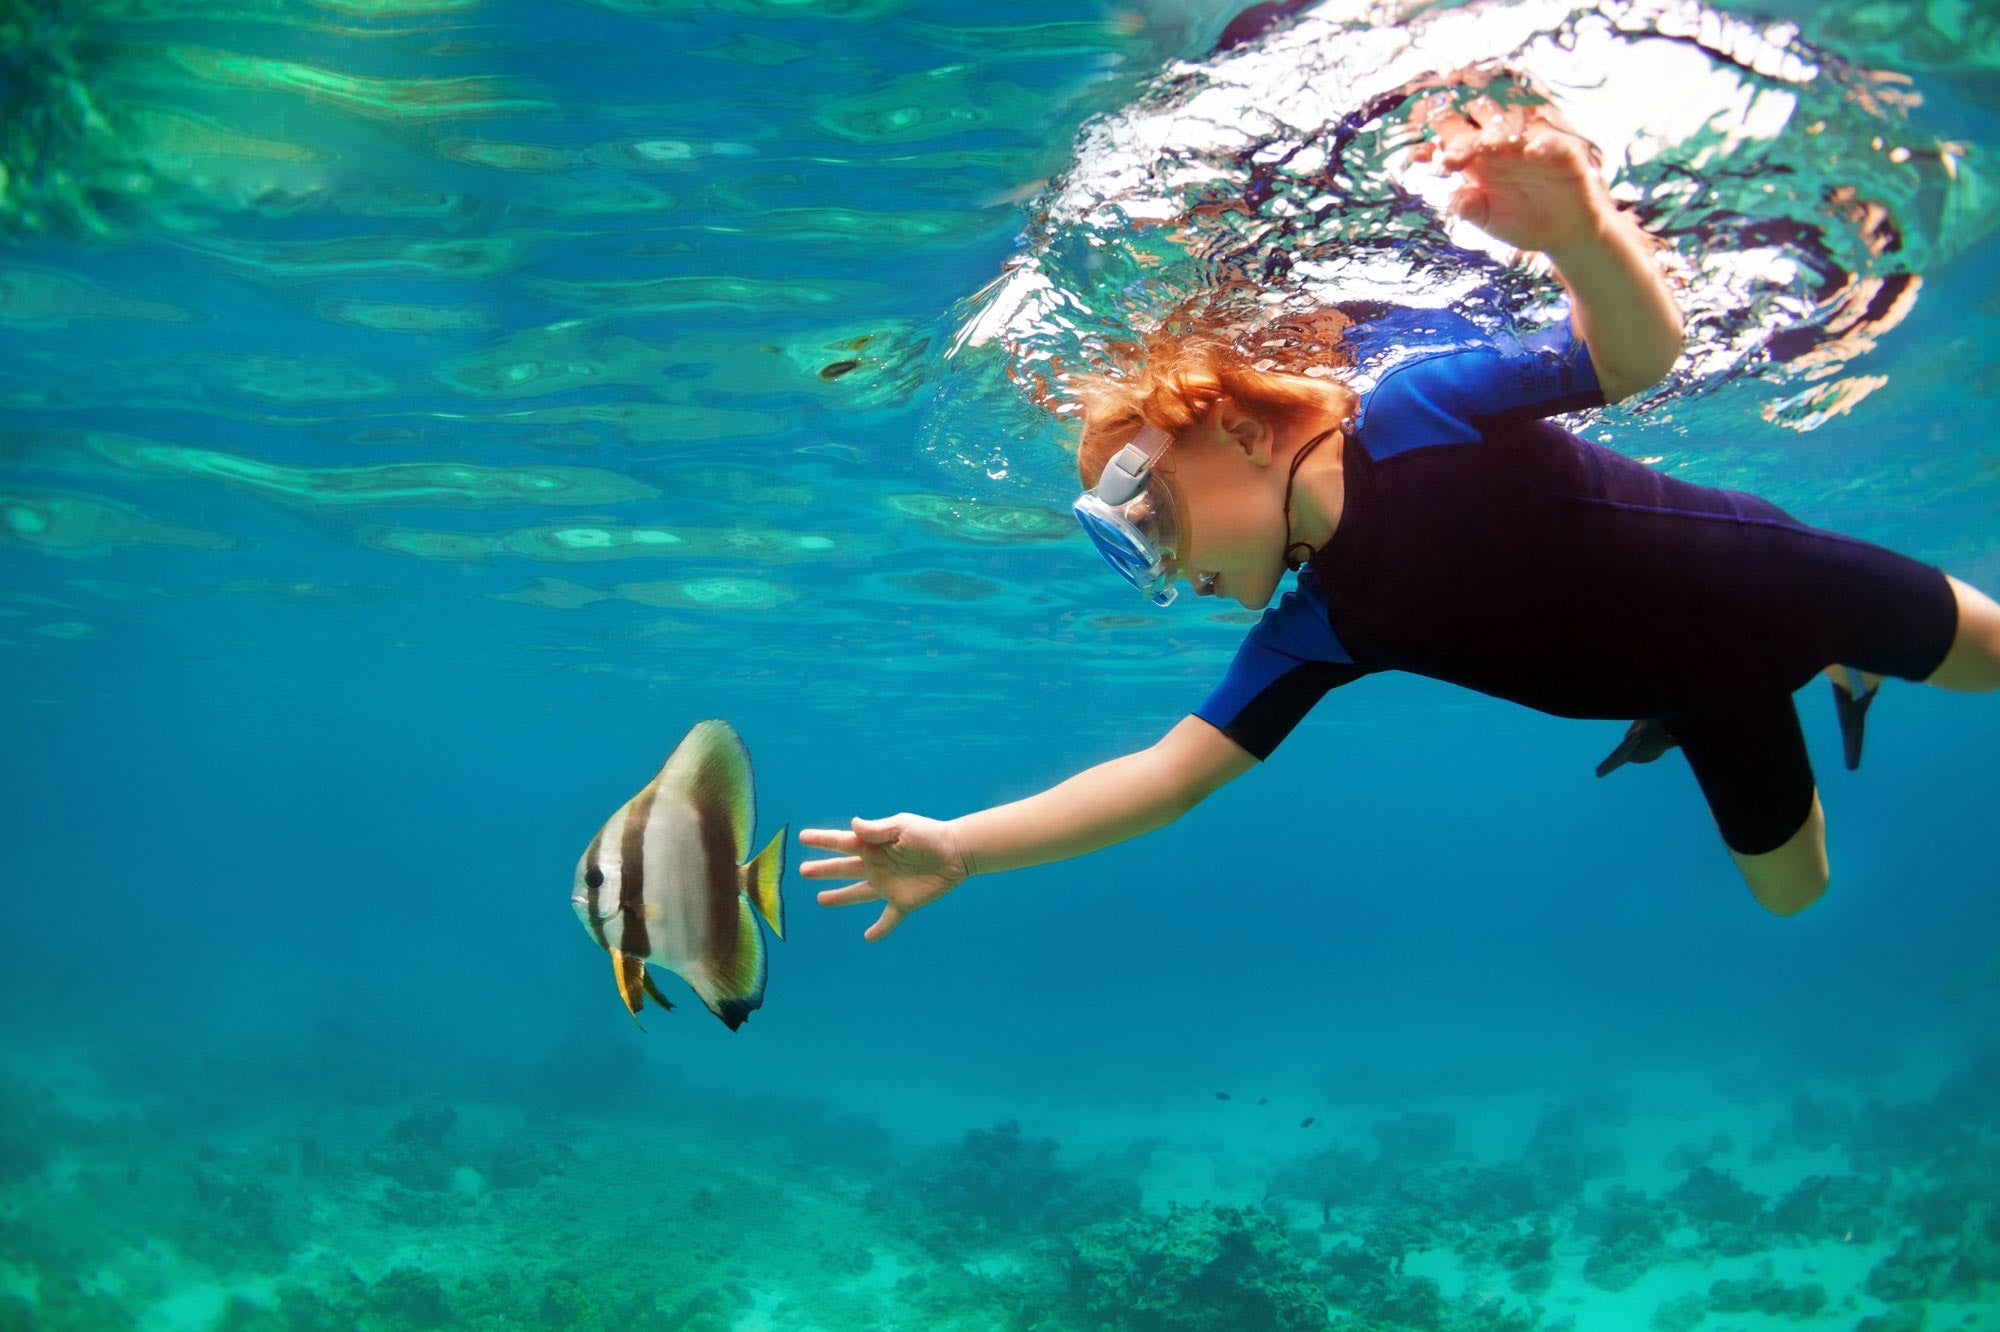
[1439, 525]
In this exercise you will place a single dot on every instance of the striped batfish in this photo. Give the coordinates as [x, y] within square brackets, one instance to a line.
[665, 880]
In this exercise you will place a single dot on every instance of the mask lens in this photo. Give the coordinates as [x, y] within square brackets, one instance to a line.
[1138, 538]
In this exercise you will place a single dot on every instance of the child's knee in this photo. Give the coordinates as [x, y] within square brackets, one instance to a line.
[1787, 880]
[1788, 892]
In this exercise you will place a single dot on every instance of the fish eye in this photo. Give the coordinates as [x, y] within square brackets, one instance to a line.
[594, 877]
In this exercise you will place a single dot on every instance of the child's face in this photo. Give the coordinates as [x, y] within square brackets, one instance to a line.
[1231, 504]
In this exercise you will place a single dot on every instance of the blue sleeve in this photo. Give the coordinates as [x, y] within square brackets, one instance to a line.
[1455, 393]
[1287, 663]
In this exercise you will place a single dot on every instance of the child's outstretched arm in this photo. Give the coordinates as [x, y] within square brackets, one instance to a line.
[906, 861]
[1529, 181]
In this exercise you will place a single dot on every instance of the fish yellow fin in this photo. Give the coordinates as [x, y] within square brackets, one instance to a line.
[731, 980]
[631, 974]
[763, 879]
[711, 768]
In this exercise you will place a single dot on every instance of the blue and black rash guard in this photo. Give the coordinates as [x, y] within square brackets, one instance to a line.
[1481, 545]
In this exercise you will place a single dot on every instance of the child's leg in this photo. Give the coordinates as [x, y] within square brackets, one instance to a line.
[1752, 765]
[1790, 879]
[1973, 664]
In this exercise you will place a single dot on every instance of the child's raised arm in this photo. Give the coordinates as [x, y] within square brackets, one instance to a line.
[1529, 181]
[907, 861]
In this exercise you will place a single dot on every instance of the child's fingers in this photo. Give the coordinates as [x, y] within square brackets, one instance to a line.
[884, 924]
[1484, 112]
[877, 830]
[1451, 126]
[851, 895]
[844, 867]
[830, 839]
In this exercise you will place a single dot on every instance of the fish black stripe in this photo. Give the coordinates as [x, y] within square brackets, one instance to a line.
[724, 885]
[634, 939]
[594, 906]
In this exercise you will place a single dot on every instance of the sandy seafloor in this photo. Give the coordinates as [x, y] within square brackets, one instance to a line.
[322, 1186]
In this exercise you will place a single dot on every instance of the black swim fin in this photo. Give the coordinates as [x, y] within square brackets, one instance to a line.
[1853, 713]
[1645, 741]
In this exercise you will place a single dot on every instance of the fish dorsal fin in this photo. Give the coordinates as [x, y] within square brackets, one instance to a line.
[711, 768]
[762, 879]
[731, 980]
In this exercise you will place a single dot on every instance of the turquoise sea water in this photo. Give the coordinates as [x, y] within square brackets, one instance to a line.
[417, 413]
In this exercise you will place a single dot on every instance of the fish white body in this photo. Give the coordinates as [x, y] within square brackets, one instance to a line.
[662, 883]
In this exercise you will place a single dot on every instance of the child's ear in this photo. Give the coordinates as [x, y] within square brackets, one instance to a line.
[1245, 430]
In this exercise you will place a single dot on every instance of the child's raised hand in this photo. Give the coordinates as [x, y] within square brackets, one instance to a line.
[906, 861]
[1528, 179]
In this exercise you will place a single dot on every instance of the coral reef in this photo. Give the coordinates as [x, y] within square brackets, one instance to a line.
[1767, 1296]
[1631, 1239]
[472, 1203]
[415, 1151]
[1194, 1269]
[997, 1182]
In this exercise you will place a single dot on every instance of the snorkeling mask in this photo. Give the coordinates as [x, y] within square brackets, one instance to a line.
[1129, 516]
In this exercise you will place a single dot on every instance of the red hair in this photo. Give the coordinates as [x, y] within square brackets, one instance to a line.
[1174, 379]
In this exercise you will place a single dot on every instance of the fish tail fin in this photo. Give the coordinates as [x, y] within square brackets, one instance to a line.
[762, 880]
[731, 983]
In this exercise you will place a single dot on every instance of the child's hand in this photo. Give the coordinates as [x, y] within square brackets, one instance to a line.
[908, 861]
[1528, 178]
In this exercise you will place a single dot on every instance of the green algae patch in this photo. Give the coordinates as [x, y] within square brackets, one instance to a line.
[181, 137]
[83, 526]
[555, 594]
[738, 487]
[457, 547]
[929, 105]
[66, 630]
[289, 379]
[298, 591]
[593, 543]
[653, 423]
[942, 585]
[844, 226]
[1027, 41]
[744, 48]
[462, 259]
[732, 594]
[503, 156]
[43, 298]
[395, 9]
[456, 485]
[377, 98]
[679, 295]
[562, 356]
[725, 594]
[405, 317]
[982, 523]
[767, 11]
[859, 367]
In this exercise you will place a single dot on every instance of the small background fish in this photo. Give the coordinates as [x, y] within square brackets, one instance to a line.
[668, 880]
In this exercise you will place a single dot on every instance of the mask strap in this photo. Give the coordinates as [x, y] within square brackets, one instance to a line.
[1125, 475]
[1290, 545]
